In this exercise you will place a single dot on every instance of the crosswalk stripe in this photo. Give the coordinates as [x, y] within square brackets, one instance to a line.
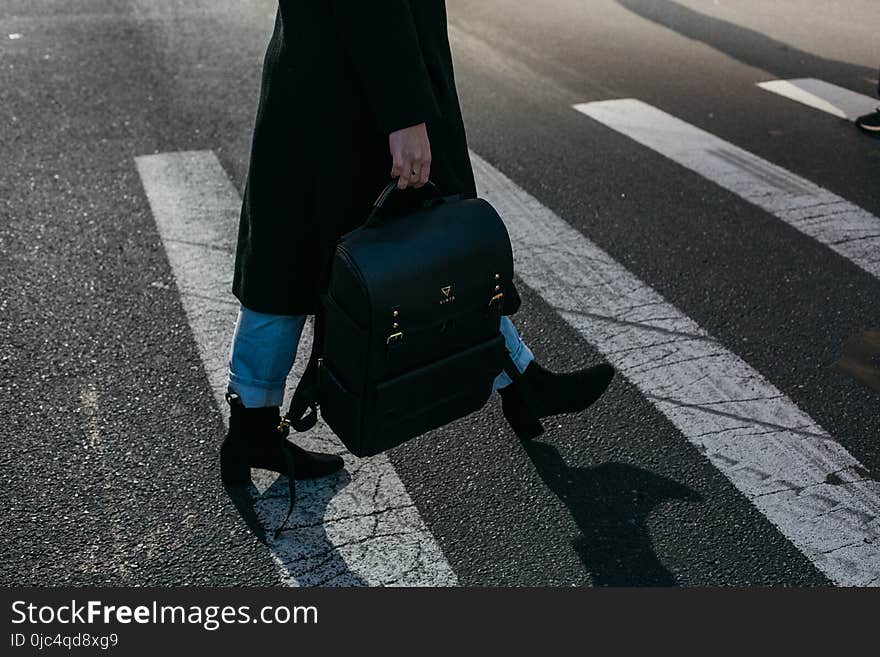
[816, 493]
[823, 96]
[362, 531]
[847, 229]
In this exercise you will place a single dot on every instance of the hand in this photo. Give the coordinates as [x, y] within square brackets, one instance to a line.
[410, 156]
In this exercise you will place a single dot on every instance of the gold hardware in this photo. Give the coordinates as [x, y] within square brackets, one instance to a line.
[496, 299]
[394, 337]
[395, 325]
[497, 277]
[396, 313]
[448, 296]
[283, 425]
[497, 288]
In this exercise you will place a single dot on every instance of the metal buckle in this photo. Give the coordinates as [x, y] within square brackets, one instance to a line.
[498, 298]
[394, 338]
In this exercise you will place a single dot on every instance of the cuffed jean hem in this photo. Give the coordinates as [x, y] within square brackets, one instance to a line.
[256, 394]
[519, 352]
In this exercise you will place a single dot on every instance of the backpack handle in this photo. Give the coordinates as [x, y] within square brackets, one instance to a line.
[373, 217]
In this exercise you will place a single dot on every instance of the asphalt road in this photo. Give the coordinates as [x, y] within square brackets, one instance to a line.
[110, 426]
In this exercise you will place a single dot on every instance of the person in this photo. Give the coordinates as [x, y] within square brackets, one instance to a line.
[870, 123]
[352, 92]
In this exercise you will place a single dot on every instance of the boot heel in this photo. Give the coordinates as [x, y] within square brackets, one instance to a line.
[526, 427]
[234, 469]
[521, 419]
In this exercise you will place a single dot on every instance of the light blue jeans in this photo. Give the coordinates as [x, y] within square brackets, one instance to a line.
[264, 349]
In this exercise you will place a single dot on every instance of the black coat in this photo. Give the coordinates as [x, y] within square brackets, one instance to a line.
[338, 77]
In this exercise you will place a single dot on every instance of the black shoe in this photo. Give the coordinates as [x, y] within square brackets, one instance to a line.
[870, 123]
[253, 441]
[538, 393]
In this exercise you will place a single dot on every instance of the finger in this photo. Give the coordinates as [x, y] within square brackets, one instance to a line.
[425, 174]
[418, 177]
[413, 171]
[415, 174]
[396, 166]
[404, 173]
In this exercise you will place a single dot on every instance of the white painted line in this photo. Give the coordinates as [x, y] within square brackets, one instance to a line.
[823, 96]
[845, 228]
[360, 528]
[776, 455]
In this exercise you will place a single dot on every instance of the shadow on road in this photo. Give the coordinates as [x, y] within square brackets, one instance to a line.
[306, 552]
[611, 503]
[751, 47]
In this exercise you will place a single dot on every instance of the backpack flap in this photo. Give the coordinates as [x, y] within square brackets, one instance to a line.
[434, 281]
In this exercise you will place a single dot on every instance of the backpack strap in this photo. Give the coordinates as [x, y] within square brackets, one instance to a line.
[289, 461]
[302, 414]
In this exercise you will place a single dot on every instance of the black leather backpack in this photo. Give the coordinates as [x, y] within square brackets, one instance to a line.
[408, 336]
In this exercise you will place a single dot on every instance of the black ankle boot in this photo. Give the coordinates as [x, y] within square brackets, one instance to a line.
[538, 393]
[253, 441]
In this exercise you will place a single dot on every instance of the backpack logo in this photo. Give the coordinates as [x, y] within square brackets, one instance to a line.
[448, 297]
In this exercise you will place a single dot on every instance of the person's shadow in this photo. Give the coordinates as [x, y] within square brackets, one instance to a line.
[303, 549]
[611, 503]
